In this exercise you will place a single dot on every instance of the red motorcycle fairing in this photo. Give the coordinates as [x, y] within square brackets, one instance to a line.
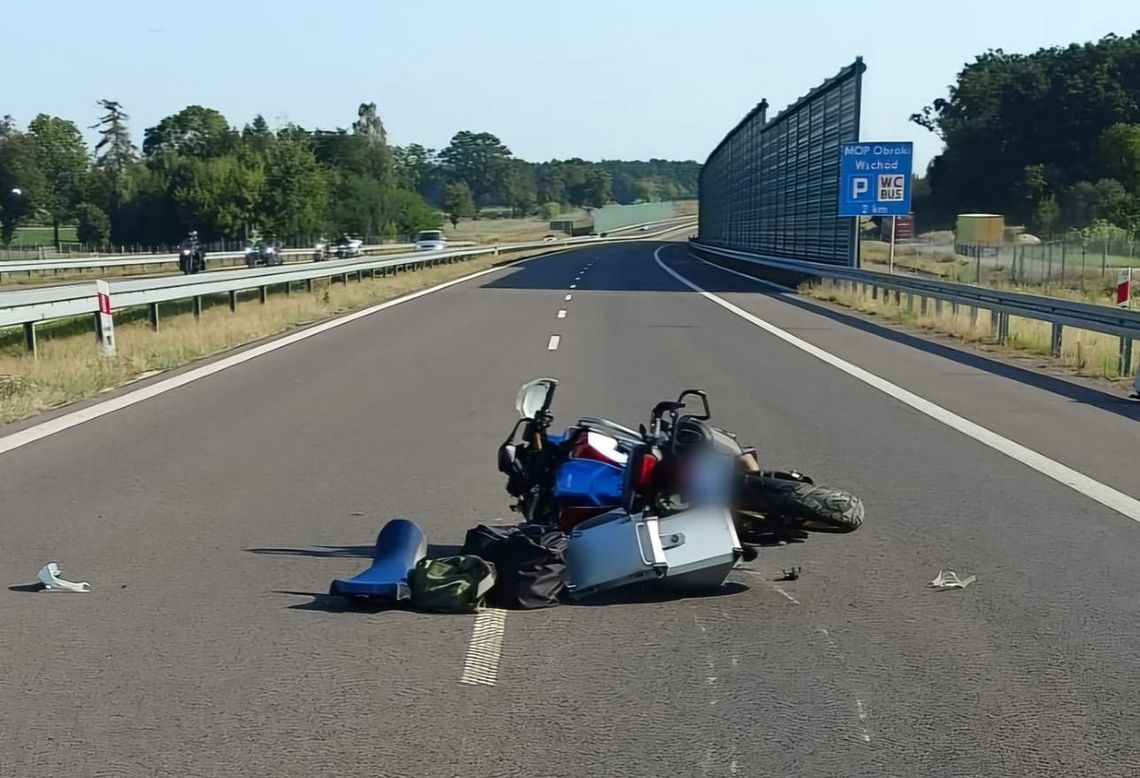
[587, 444]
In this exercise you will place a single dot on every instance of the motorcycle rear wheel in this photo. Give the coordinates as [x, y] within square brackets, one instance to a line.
[814, 508]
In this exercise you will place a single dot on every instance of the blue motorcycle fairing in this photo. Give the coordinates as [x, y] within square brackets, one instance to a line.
[587, 482]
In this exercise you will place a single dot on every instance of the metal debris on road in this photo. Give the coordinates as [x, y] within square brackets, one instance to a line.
[948, 579]
[49, 576]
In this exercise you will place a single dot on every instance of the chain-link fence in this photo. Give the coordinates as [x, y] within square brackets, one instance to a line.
[772, 187]
[1083, 269]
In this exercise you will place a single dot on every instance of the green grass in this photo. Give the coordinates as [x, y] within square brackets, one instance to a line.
[43, 236]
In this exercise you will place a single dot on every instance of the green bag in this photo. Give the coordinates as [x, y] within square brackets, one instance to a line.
[452, 584]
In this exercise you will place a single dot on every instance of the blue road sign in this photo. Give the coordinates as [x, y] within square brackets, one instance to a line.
[874, 178]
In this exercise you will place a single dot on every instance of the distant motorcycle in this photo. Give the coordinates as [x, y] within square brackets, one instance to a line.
[191, 256]
[265, 252]
[597, 466]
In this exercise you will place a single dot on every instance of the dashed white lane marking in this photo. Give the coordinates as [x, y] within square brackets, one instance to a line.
[758, 574]
[1095, 490]
[568, 297]
[573, 286]
[484, 652]
[860, 709]
[554, 341]
[561, 313]
[786, 595]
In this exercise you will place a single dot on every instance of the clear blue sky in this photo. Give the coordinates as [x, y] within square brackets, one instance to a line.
[629, 79]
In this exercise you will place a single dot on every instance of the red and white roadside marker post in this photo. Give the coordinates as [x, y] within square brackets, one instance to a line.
[1123, 287]
[104, 323]
[1123, 300]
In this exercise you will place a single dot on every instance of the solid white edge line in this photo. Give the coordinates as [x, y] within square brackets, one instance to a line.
[554, 341]
[68, 420]
[1091, 488]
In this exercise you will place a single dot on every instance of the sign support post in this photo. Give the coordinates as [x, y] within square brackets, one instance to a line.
[891, 260]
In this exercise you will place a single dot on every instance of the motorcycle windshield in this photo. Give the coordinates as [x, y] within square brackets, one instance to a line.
[588, 482]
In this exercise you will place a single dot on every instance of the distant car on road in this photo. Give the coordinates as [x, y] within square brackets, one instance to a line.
[430, 240]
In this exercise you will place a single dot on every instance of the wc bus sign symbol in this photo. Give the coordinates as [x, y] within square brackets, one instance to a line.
[891, 188]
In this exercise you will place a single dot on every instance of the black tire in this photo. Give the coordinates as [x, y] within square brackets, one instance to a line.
[814, 508]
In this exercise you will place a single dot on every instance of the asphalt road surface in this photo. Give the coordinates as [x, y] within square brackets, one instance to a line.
[211, 519]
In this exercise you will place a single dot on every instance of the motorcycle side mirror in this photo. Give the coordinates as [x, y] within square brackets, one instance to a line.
[534, 397]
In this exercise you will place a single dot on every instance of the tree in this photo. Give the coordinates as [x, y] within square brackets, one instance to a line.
[370, 128]
[61, 156]
[1057, 108]
[115, 155]
[405, 213]
[197, 132]
[93, 227]
[1120, 147]
[23, 187]
[358, 205]
[458, 202]
[296, 189]
[480, 159]
[1045, 215]
[519, 187]
[549, 184]
[417, 170]
[114, 152]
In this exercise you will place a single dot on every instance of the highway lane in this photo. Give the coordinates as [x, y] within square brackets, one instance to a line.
[203, 652]
[1066, 418]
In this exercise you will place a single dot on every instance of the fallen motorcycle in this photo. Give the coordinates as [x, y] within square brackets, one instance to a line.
[596, 466]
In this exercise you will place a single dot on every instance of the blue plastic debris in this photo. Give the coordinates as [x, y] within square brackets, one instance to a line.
[399, 546]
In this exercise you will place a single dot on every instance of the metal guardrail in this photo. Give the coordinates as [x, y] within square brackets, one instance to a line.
[142, 260]
[1121, 322]
[28, 307]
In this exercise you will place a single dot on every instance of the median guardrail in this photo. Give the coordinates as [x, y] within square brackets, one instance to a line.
[28, 307]
[1121, 322]
[11, 267]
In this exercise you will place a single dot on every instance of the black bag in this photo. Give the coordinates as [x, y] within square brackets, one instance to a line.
[529, 564]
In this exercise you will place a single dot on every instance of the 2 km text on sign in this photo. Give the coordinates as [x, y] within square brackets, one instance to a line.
[874, 179]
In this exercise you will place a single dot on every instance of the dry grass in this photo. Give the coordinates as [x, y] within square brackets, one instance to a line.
[69, 366]
[1086, 353]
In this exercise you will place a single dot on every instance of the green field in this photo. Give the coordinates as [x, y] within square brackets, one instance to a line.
[42, 236]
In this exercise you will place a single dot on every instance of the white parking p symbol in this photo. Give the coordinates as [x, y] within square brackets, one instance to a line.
[859, 186]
